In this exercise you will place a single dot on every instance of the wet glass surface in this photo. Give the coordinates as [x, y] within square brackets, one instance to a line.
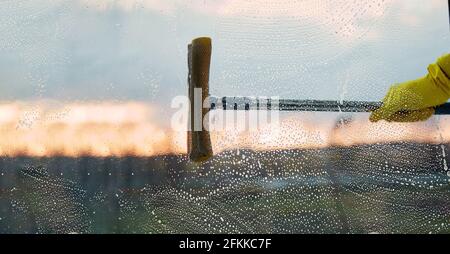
[87, 146]
[329, 190]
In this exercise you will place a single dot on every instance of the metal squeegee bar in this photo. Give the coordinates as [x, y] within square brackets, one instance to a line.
[249, 103]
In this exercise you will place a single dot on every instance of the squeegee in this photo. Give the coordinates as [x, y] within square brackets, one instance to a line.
[199, 141]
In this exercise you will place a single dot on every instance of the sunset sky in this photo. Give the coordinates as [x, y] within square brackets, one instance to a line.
[136, 49]
[116, 65]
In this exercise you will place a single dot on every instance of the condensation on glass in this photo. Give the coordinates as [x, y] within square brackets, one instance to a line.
[87, 146]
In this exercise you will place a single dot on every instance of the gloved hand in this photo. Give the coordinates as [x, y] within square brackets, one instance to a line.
[415, 100]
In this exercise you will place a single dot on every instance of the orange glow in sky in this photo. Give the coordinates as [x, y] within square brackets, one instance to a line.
[132, 128]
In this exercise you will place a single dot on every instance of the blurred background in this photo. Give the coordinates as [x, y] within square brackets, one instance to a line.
[86, 144]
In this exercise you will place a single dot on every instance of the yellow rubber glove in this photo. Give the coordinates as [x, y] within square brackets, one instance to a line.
[415, 100]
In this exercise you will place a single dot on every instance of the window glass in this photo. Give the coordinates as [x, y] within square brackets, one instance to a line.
[88, 142]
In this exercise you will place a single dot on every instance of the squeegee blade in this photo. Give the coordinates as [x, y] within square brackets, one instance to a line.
[198, 138]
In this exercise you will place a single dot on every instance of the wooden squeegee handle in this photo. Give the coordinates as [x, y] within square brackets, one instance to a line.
[245, 103]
